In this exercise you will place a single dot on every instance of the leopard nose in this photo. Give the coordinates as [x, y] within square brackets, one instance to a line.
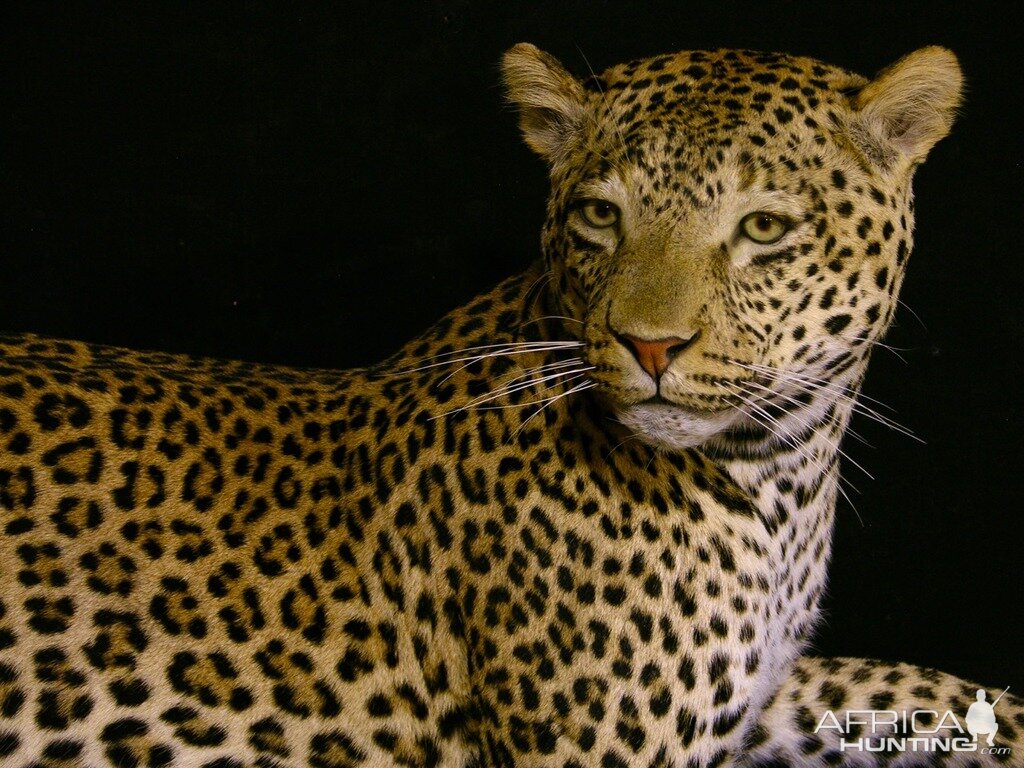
[655, 355]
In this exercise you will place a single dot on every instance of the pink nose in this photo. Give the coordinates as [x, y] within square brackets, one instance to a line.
[655, 355]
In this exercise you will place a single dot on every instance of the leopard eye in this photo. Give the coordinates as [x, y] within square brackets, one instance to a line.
[764, 228]
[599, 214]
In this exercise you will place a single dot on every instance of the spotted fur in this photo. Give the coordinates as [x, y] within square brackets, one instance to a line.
[582, 521]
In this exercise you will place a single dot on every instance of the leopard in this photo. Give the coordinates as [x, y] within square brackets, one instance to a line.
[583, 520]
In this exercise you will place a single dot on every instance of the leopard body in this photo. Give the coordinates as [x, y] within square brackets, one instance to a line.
[583, 520]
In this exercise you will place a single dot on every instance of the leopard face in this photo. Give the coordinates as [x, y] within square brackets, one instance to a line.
[728, 230]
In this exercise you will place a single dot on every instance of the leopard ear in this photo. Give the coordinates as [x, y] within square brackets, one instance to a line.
[908, 107]
[550, 100]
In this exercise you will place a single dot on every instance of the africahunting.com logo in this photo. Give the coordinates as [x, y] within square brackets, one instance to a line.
[919, 730]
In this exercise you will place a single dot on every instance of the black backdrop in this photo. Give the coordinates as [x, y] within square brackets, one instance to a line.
[306, 186]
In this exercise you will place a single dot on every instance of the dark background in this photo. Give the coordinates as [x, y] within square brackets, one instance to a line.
[312, 187]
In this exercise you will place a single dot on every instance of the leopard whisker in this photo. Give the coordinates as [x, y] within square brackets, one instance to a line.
[525, 373]
[895, 350]
[503, 391]
[794, 401]
[630, 436]
[545, 367]
[769, 370]
[479, 402]
[626, 439]
[878, 343]
[482, 357]
[812, 384]
[799, 449]
[604, 98]
[750, 399]
[912, 312]
[543, 278]
[554, 317]
[514, 348]
[538, 285]
[806, 425]
[574, 390]
[542, 401]
[525, 378]
[855, 403]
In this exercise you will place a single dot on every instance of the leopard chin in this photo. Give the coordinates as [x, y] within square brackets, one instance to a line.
[674, 427]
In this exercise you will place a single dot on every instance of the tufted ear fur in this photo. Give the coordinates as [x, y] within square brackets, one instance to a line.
[908, 107]
[549, 99]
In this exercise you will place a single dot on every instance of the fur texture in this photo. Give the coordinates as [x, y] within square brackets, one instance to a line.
[584, 520]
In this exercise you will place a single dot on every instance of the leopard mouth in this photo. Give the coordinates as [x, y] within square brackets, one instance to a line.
[657, 399]
[669, 425]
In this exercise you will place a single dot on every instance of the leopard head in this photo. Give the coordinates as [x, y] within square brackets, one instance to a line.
[727, 231]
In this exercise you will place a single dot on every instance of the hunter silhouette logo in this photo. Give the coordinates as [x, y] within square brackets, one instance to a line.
[981, 716]
[920, 730]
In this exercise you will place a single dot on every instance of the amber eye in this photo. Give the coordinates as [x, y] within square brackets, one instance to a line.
[599, 213]
[763, 227]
